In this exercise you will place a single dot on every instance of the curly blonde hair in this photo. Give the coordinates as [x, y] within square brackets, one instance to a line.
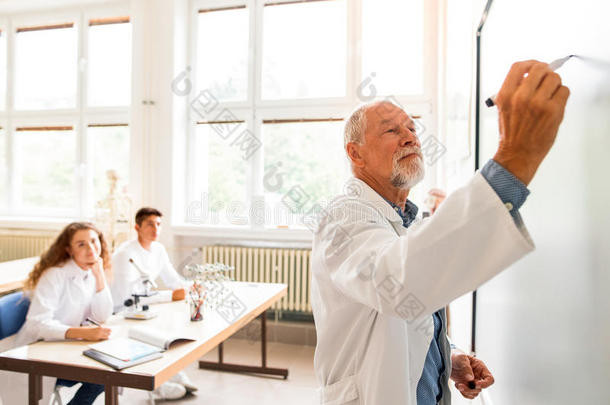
[57, 254]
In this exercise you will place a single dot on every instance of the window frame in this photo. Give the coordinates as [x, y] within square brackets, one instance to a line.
[4, 32]
[79, 117]
[254, 110]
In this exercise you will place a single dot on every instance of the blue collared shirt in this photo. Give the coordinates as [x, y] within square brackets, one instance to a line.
[512, 193]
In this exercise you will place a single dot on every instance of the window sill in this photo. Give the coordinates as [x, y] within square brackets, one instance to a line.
[33, 223]
[238, 234]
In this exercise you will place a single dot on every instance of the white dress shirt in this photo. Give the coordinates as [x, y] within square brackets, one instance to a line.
[154, 263]
[63, 298]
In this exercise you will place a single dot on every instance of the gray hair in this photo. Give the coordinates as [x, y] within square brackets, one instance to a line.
[355, 126]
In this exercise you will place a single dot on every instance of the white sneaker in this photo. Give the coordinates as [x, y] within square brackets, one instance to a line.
[169, 390]
[183, 379]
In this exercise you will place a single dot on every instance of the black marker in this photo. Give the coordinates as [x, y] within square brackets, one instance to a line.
[554, 65]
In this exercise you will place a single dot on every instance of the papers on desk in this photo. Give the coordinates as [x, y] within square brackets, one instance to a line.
[156, 337]
[142, 344]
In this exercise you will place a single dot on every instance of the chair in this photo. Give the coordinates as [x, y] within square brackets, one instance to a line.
[13, 309]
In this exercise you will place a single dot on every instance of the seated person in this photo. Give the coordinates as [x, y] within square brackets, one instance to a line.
[145, 254]
[67, 286]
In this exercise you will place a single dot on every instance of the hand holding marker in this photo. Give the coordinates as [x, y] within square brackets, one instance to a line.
[554, 65]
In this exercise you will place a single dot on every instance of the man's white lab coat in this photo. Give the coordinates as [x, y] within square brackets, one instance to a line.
[376, 284]
[154, 263]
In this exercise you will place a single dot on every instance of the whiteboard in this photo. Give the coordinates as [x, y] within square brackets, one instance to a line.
[543, 326]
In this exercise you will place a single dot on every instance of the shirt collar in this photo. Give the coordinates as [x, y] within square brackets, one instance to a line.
[408, 215]
[361, 190]
[76, 271]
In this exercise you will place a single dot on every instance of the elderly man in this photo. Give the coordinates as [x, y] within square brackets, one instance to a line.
[379, 289]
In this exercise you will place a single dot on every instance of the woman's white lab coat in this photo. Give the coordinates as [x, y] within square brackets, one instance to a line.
[64, 297]
[375, 285]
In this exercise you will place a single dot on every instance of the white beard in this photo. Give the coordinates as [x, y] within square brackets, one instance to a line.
[406, 175]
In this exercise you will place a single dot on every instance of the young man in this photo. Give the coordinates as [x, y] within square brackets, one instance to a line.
[146, 255]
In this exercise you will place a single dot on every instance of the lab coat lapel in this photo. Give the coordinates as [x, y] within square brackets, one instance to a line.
[373, 199]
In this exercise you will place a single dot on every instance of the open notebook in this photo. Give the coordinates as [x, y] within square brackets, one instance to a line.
[142, 344]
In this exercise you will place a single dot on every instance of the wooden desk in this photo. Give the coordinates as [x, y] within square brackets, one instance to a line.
[14, 273]
[65, 359]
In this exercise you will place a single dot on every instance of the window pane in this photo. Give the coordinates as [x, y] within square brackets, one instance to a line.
[109, 149]
[3, 58]
[220, 178]
[222, 53]
[45, 69]
[314, 166]
[392, 45]
[3, 169]
[48, 180]
[304, 50]
[109, 64]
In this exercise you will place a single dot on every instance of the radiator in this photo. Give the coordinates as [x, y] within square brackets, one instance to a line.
[15, 246]
[269, 265]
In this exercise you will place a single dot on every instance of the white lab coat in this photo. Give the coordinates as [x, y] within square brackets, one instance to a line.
[375, 285]
[154, 262]
[63, 298]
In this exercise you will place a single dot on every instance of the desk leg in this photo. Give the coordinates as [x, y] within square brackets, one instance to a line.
[239, 368]
[112, 394]
[35, 388]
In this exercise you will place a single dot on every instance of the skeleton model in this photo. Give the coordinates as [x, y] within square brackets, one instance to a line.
[113, 214]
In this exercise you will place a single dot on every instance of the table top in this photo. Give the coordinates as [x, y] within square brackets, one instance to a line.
[14, 272]
[243, 302]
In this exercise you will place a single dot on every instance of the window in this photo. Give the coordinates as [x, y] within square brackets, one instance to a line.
[392, 45]
[103, 138]
[2, 70]
[310, 156]
[45, 67]
[109, 62]
[222, 57]
[68, 69]
[47, 180]
[301, 62]
[274, 80]
[221, 176]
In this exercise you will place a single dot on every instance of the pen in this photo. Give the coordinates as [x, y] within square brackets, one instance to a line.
[94, 322]
[554, 65]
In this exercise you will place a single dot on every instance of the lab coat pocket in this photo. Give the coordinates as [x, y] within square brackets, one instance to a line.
[342, 392]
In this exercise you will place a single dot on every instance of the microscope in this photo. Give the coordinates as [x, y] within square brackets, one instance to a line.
[135, 310]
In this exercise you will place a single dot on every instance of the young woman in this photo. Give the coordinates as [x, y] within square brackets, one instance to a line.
[67, 286]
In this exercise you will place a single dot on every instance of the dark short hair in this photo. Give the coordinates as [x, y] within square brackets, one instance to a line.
[145, 212]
